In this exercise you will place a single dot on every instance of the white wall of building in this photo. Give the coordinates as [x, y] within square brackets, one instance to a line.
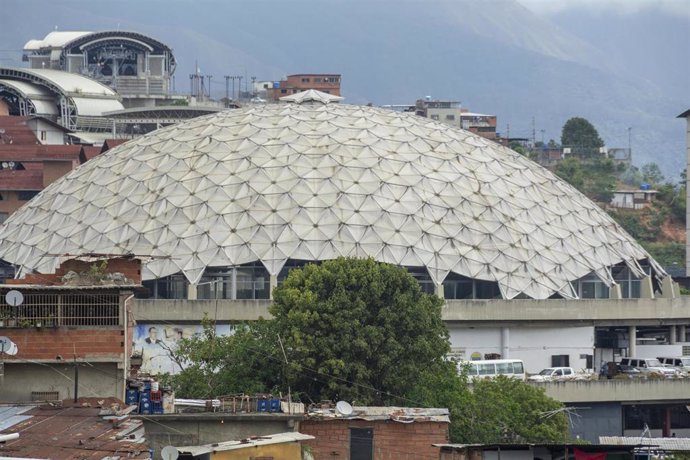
[534, 345]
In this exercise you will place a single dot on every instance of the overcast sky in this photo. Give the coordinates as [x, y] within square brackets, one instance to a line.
[549, 7]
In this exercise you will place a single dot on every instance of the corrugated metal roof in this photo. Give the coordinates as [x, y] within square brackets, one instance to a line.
[11, 415]
[396, 414]
[675, 444]
[74, 431]
[279, 438]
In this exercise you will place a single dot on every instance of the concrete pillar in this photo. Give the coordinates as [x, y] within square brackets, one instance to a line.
[505, 342]
[668, 288]
[615, 291]
[672, 337]
[632, 341]
[646, 288]
[233, 283]
[273, 283]
[438, 290]
[682, 333]
[191, 291]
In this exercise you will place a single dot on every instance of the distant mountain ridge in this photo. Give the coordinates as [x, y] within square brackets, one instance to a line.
[494, 56]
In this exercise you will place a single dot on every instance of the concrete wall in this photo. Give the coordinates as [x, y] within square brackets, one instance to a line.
[623, 390]
[207, 428]
[600, 312]
[100, 380]
[193, 310]
[589, 421]
[535, 345]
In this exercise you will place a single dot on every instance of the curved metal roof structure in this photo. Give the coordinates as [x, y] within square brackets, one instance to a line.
[315, 181]
[76, 98]
[63, 42]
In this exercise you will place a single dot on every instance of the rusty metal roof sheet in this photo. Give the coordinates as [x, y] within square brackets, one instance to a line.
[396, 414]
[72, 431]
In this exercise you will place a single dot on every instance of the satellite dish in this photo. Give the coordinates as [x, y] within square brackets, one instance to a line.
[5, 165]
[12, 164]
[169, 453]
[14, 298]
[343, 408]
[7, 346]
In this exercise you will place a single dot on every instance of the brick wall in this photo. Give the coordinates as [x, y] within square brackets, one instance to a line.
[392, 440]
[131, 268]
[47, 343]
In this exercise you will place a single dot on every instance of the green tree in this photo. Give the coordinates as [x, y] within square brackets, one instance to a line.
[571, 171]
[581, 136]
[248, 361]
[507, 410]
[356, 329]
[651, 173]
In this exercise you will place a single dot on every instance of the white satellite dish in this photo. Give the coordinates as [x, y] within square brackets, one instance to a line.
[169, 453]
[12, 164]
[343, 408]
[5, 165]
[7, 346]
[14, 298]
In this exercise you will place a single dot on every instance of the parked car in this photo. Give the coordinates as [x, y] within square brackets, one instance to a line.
[648, 366]
[611, 369]
[680, 363]
[551, 374]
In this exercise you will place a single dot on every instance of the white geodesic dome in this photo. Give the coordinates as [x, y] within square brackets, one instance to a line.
[317, 180]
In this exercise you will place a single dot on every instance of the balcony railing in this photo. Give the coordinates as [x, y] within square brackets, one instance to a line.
[55, 310]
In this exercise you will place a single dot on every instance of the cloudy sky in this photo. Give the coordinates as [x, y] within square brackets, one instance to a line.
[550, 7]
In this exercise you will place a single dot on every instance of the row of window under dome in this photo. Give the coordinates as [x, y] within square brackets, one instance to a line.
[252, 281]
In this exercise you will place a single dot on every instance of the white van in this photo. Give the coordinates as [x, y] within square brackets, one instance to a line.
[681, 363]
[490, 368]
[648, 366]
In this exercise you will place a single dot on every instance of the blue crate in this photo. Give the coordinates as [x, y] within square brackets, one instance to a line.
[132, 397]
[262, 405]
[274, 405]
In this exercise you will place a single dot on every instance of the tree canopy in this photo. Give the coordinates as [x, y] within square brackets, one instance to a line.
[365, 332]
[361, 321]
[581, 136]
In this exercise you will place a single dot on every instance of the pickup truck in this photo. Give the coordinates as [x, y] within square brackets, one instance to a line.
[554, 374]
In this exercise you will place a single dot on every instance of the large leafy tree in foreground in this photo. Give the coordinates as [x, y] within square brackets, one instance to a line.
[359, 330]
[363, 331]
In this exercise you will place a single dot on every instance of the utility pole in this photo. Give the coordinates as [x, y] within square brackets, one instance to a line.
[239, 88]
[534, 134]
[253, 86]
[233, 86]
[227, 91]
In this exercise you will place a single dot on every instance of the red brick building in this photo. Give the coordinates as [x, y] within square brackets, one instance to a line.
[378, 433]
[327, 83]
[68, 329]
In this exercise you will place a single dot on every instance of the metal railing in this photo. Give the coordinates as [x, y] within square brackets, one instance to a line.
[55, 310]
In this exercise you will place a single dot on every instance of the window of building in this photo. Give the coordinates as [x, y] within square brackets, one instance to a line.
[26, 195]
[3, 217]
[560, 360]
[305, 80]
[591, 287]
[44, 135]
[434, 117]
[317, 80]
[283, 91]
[450, 117]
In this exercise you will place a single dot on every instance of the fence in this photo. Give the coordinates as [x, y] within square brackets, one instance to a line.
[55, 309]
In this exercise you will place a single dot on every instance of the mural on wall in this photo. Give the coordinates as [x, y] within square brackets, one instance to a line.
[157, 342]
